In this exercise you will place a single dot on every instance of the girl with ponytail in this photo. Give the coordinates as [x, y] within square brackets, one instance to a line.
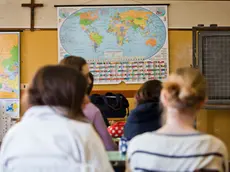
[178, 146]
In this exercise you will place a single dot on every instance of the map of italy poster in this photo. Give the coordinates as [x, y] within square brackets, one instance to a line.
[121, 43]
[9, 66]
[9, 80]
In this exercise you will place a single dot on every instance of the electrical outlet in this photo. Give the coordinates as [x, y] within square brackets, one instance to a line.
[24, 86]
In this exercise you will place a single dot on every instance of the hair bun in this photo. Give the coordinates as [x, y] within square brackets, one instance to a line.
[173, 89]
[185, 88]
[179, 96]
[186, 92]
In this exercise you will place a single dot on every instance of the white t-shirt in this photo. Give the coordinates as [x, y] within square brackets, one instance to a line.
[161, 152]
[46, 141]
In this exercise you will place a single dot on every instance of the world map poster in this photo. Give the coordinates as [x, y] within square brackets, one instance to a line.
[121, 43]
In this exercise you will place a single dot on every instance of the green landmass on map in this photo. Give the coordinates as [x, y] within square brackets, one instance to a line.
[77, 14]
[86, 22]
[96, 37]
[135, 27]
[129, 18]
[9, 63]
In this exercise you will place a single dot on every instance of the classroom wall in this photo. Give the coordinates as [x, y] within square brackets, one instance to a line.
[182, 13]
[40, 47]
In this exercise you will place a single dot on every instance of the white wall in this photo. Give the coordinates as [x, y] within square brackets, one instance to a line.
[182, 13]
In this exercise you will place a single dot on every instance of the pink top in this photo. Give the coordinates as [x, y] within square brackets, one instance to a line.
[95, 117]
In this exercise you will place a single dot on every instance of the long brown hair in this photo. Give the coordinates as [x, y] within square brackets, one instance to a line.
[60, 86]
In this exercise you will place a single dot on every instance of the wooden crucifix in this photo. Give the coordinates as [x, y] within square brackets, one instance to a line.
[32, 7]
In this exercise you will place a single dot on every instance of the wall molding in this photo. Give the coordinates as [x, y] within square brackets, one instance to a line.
[126, 93]
[55, 29]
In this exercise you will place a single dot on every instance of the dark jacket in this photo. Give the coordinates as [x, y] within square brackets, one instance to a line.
[144, 118]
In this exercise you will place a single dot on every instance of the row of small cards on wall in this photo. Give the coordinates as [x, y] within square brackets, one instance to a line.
[10, 108]
[133, 72]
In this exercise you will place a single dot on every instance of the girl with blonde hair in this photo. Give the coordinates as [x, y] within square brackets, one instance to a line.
[178, 146]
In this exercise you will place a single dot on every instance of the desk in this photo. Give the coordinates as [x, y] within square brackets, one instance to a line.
[115, 156]
[117, 160]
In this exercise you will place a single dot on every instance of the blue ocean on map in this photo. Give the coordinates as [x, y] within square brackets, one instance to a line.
[125, 31]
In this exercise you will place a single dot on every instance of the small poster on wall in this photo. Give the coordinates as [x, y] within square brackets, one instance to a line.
[11, 108]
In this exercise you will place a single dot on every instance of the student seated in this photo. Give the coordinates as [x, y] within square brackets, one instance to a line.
[91, 111]
[177, 146]
[90, 88]
[53, 134]
[147, 114]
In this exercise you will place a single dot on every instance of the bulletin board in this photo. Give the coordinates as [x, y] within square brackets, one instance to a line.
[125, 43]
[9, 79]
[214, 61]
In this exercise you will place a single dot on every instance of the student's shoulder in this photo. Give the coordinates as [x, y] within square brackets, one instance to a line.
[142, 139]
[216, 143]
[82, 128]
[80, 125]
[16, 130]
[91, 112]
[91, 106]
[131, 116]
[91, 109]
[141, 142]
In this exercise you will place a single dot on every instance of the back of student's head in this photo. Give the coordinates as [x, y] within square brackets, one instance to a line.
[77, 63]
[90, 87]
[59, 86]
[184, 89]
[74, 61]
[149, 92]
